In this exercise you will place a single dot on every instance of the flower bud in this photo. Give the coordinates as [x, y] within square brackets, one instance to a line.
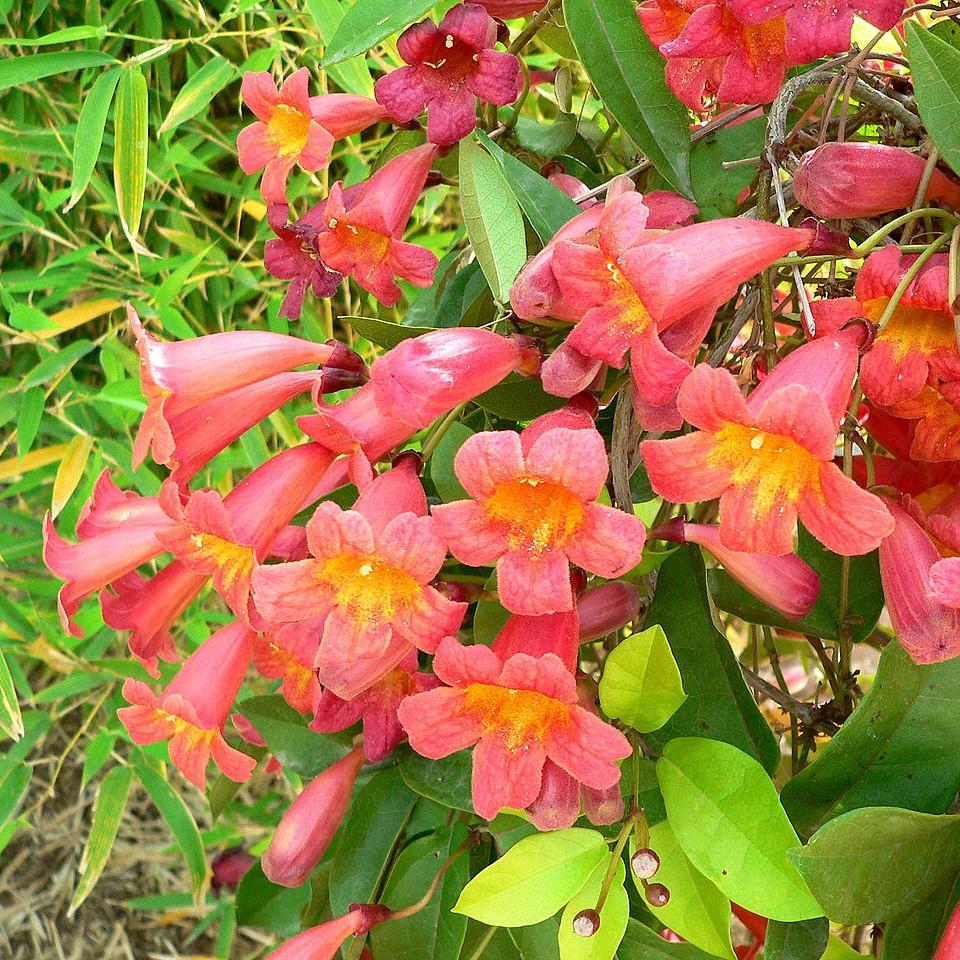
[607, 608]
[657, 894]
[825, 240]
[311, 822]
[645, 863]
[847, 180]
[586, 923]
[229, 867]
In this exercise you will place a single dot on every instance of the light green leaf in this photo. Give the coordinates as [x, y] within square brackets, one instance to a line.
[613, 917]
[198, 91]
[368, 22]
[66, 35]
[90, 127]
[107, 813]
[17, 70]
[130, 151]
[178, 817]
[441, 463]
[878, 862]
[641, 682]
[11, 720]
[56, 362]
[352, 75]
[492, 217]
[936, 84]
[627, 72]
[28, 422]
[534, 879]
[696, 910]
[726, 815]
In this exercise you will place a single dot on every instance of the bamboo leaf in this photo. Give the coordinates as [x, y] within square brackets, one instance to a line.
[11, 720]
[70, 471]
[198, 91]
[90, 127]
[14, 466]
[107, 813]
[17, 70]
[130, 151]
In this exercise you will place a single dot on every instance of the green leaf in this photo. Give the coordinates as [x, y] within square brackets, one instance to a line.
[353, 75]
[936, 83]
[66, 35]
[519, 398]
[718, 703]
[11, 720]
[198, 91]
[896, 749]
[878, 862]
[642, 943]
[377, 815]
[727, 818]
[182, 825]
[130, 151]
[641, 682]
[914, 935]
[56, 362]
[17, 70]
[261, 903]
[368, 22]
[435, 933]
[28, 422]
[696, 910]
[445, 781]
[90, 127]
[538, 941]
[803, 940]
[715, 187]
[627, 72]
[534, 879]
[492, 217]
[107, 813]
[97, 753]
[613, 917]
[441, 463]
[546, 207]
[382, 332]
[290, 740]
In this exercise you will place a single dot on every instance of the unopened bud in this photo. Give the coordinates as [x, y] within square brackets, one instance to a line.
[586, 923]
[409, 459]
[459, 592]
[825, 240]
[645, 863]
[344, 358]
[334, 379]
[657, 894]
[607, 608]
[229, 867]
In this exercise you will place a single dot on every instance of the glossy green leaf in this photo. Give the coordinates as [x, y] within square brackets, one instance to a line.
[878, 862]
[914, 935]
[90, 127]
[261, 903]
[108, 811]
[130, 150]
[352, 75]
[290, 740]
[936, 82]
[382, 332]
[198, 91]
[718, 703]
[368, 22]
[613, 917]
[642, 943]
[435, 933]
[896, 749]
[641, 682]
[441, 463]
[627, 72]
[11, 720]
[17, 70]
[802, 940]
[726, 816]
[374, 821]
[445, 781]
[174, 810]
[492, 217]
[696, 910]
[519, 398]
[534, 879]
[538, 941]
[546, 207]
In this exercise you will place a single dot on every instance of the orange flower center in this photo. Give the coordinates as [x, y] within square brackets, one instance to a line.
[912, 328]
[358, 245]
[632, 316]
[288, 129]
[297, 678]
[519, 716]
[760, 42]
[233, 562]
[776, 466]
[369, 588]
[539, 514]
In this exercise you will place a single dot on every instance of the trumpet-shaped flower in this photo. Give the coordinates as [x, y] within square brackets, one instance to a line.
[192, 710]
[369, 575]
[362, 232]
[935, 412]
[450, 65]
[310, 823]
[846, 180]
[377, 706]
[770, 458]
[292, 256]
[323, 942]
[918, 341]
[534, 511]
[294, 128]
[519, 713]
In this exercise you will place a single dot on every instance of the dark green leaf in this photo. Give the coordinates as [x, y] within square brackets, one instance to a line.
[803, 940]
[368, 22]
[936, 83]
[56, 362]
[878, 862]
[897, 749]
[546, 139]
[261, 903]
[90, 127]
[462, 299]
[441, 463]
[382, 332]
[445, 781]
[17, 70]
[198, 91]
[715, 187]
[28, 422]
[915, 934]
[718, 705]
[642, 943]
[519, 398]
[627, 72]
[537, 942]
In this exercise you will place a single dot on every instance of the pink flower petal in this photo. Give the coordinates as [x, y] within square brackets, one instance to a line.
[496, 79]
[752, 526]
[680, 468]
[587, 748]
[504, 777]
[573, 459]
[402, 93]
[457, 664]
[259, 92]
[487, 460]
[609, 543]
[532, 584]
[290, 591]
[472, 539]
[435, 725]
[709, 399]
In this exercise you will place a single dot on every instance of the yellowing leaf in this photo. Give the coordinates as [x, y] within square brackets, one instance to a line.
[70, 471]
[254, 208]
[77, 315]
[14, 466]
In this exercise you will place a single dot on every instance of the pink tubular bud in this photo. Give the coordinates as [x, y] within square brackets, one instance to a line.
[229, 867]
[825, 240]
[321, 942]
[309, 825]
[602, 807]
[846, 180]
[607, 608]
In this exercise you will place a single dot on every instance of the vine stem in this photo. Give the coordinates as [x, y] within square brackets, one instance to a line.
[433, 441]
[418, 905]
[622, 838]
